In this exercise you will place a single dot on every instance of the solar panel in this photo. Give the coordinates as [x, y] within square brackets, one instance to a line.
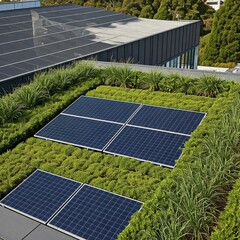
[79, 131]
[40, 195]
[95, 214]
[174, 120]
[104, 109]
[148, 145]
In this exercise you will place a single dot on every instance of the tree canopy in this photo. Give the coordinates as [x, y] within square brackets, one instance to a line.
[224, 41]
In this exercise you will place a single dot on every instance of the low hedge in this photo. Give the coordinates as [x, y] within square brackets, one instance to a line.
[173, 100]
[32, 120]
[229, 220]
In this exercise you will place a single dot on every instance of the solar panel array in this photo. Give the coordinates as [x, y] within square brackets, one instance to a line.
[148, 133]
[80, 132]
[71, 207]
[41, 195]
[95, 214]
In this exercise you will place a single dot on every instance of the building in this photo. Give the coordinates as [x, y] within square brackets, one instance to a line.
[216, 4]
[39, 38]
[13, 5]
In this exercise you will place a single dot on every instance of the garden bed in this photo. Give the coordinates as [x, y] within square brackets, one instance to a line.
[183, 203]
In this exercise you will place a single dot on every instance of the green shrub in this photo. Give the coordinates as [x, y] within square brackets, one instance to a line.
[152, 81]
[10, 109]
[229, 220]
[30, 121]
[209, 86]
[30, 95]
[122, 76]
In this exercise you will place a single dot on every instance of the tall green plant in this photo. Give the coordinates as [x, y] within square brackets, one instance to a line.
[10, 109]
[122, 76]
[31, 95]
[152, 80]
[83, 70]
[209, 86]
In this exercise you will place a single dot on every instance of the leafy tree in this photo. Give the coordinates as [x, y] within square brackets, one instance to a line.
[224, 42]
[183, 9]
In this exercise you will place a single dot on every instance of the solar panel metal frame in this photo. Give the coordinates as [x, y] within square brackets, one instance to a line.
[30, 216]
[76, 236]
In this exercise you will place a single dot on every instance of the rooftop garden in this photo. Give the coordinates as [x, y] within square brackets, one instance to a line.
[180, 203]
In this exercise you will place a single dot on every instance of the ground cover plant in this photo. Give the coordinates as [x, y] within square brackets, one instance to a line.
[177, 203]
[121, 175]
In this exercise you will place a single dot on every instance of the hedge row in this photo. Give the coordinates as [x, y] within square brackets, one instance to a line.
[187, 202]
[32, 120]
[229, 220]
[43, 86]
[173, 100]
[124, 76]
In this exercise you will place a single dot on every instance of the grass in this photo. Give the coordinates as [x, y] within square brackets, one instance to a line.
[31, 95]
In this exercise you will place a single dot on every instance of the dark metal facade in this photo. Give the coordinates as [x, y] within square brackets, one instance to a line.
[159, 49]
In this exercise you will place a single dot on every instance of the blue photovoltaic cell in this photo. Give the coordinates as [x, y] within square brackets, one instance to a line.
[40, 195]
[167, 119]
[95, 214]
[79, 131]
[149, 145]
[104, 109]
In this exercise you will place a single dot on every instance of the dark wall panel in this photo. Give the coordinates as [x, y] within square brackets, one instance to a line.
[154, 50]
[148, 53]
[120, 53]
[160, 49]
[135, 52]
[142, 51]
